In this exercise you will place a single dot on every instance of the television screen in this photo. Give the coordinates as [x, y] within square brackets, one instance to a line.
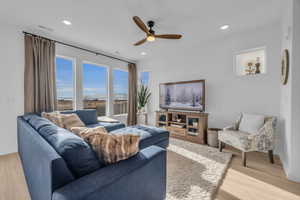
[188, 95]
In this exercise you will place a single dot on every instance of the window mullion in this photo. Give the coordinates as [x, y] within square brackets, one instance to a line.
[110, 97]
[78, 85]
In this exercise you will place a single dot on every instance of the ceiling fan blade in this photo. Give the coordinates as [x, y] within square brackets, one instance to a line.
[169, 36]
[141, 24]
[140, 42]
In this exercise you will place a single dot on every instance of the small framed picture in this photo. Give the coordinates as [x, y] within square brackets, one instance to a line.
[251, 62]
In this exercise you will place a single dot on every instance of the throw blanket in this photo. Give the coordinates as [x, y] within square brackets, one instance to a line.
[111, 148]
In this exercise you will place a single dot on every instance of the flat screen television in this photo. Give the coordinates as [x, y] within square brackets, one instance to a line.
[186, 95]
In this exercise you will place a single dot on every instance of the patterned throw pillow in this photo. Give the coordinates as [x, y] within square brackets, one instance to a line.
[110, 148]
[54, 117]
[71, 120]
[85, 132]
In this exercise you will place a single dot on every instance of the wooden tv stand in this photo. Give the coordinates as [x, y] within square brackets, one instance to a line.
[189, 126]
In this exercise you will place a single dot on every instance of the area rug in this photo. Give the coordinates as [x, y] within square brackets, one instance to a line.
[194, 171]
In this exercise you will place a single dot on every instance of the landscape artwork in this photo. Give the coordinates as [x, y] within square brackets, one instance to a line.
[185, 95]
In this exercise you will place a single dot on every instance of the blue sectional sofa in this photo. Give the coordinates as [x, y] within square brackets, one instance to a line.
[59, 165]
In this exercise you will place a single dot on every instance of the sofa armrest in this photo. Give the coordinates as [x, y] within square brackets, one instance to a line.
[114, 181]
[264, 139]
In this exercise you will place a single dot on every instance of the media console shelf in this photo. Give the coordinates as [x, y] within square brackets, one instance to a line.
[189, 126]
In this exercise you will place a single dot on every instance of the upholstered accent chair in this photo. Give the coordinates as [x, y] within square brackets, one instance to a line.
[261, 140]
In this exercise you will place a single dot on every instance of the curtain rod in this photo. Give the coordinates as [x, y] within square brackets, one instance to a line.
[77, 47]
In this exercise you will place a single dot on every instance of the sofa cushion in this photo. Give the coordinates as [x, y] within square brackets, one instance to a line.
[251, 123]
[88, 116]
[149, 135]
[108, 126]
[36, 121]
[238, 139]
[28, 116]
[79, 156]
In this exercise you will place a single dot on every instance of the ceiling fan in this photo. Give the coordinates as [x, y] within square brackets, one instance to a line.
[150, 33]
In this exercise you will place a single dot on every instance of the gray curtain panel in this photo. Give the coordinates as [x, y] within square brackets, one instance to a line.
[132, 95]
[39, 80]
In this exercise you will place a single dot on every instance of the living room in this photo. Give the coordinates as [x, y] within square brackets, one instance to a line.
[164, 79]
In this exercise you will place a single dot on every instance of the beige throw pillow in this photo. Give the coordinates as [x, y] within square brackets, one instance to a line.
[71, 120]
[111, 148]
[251, 123]
[86, 132]
[114, 148]
[54, 117]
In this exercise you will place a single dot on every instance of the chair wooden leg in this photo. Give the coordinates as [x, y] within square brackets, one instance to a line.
[271, 156]
[244, 158]
[220, 146]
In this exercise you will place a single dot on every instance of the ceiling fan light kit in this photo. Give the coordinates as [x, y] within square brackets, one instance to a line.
[150, 33]
[150, 38]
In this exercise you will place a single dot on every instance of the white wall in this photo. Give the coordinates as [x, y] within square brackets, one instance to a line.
[11, 85]
[295, 173]
[226, 94]
[290, 94]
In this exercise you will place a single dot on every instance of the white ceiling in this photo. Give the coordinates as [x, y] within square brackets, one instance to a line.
[107, 24]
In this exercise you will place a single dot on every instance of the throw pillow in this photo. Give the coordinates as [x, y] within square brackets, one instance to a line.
[71, 120]
[85, 132]
[110, 148]
[251, 123]
[54, 117]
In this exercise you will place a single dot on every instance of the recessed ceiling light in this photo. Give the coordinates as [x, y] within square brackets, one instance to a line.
[143, 53]
[66, 22]
[224, 27]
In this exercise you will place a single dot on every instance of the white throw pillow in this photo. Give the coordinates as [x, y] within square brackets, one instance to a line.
[251, 123]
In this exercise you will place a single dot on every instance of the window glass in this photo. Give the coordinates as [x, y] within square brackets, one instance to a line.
[120, 91]
[95, 88]
[64, 83]
[144, 78]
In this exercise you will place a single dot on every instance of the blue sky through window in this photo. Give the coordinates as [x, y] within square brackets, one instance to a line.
[94, 81]
[144, 78]
[64, 78]
[120, 84]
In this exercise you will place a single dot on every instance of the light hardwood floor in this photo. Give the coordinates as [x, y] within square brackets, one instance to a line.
[259, 181]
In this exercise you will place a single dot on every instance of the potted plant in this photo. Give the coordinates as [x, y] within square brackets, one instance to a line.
[143, 97]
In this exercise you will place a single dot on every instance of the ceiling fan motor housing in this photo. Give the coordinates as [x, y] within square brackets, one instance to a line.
[151, 24]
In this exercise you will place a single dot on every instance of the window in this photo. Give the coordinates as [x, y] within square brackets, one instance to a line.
[64, 83]
[144, 78]
[120, 91]
[95, 88]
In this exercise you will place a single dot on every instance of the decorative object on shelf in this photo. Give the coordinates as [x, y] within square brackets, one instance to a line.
[143, 97]
[257, 66]
[251, 62]
[195, 124]
[162, 118]
[285, 64]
